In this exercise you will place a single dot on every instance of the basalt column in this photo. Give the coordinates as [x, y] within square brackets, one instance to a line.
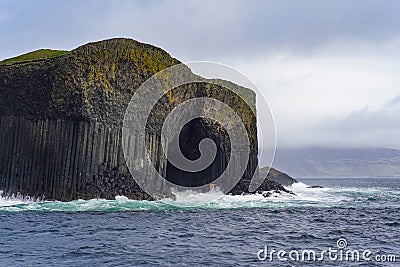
[61, 123]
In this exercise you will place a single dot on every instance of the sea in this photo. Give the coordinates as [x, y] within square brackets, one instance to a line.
[348, 222]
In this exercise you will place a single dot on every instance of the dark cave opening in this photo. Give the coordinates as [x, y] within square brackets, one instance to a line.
[189, 138]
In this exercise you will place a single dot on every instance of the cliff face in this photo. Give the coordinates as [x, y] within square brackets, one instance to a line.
[61, 119]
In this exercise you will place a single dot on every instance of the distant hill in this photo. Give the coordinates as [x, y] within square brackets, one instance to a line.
[326, 162]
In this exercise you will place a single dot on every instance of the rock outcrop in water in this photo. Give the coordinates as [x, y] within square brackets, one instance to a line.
[277, 176]
[274, 181]
[61, 120]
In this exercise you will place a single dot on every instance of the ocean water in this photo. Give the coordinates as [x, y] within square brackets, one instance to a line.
[360, 215]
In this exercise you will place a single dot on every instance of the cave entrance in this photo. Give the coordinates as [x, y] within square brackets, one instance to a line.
[189, 138]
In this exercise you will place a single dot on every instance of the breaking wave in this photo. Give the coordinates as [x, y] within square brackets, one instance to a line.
[305, 197]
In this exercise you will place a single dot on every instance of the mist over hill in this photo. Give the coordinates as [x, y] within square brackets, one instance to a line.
[340, 162]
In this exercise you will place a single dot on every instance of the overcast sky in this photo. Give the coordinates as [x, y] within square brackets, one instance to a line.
[329, 69]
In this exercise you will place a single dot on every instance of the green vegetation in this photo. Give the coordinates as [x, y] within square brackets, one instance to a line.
[34, 55]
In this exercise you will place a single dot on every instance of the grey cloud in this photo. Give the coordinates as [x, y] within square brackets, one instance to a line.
[220, 31]
[198, 29]
[365, 120]
[393, 102]
[305, 24]
[362, 128]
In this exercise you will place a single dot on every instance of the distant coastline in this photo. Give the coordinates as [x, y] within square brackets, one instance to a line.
[317, 162]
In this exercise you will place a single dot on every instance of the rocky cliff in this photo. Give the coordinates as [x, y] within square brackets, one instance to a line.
[61, 119]
[274, 175]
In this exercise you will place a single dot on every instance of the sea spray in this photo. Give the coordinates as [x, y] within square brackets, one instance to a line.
[305, 197]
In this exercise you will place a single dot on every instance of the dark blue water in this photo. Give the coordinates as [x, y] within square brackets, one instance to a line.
[228, 231]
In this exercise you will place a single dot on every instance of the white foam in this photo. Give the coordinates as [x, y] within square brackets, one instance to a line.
[192, 199]
[121, 198]
[14, 200]
[214, 199]
[298, 185]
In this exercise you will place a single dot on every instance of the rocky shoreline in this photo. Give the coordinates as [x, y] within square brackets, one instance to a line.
[61, 119]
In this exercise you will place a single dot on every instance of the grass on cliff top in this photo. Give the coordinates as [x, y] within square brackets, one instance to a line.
[34, 55]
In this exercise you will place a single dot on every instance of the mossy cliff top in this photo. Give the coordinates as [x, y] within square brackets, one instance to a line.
[93, 82]
[34, 55]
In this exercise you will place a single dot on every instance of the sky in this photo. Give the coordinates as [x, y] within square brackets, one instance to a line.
[328, 69]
